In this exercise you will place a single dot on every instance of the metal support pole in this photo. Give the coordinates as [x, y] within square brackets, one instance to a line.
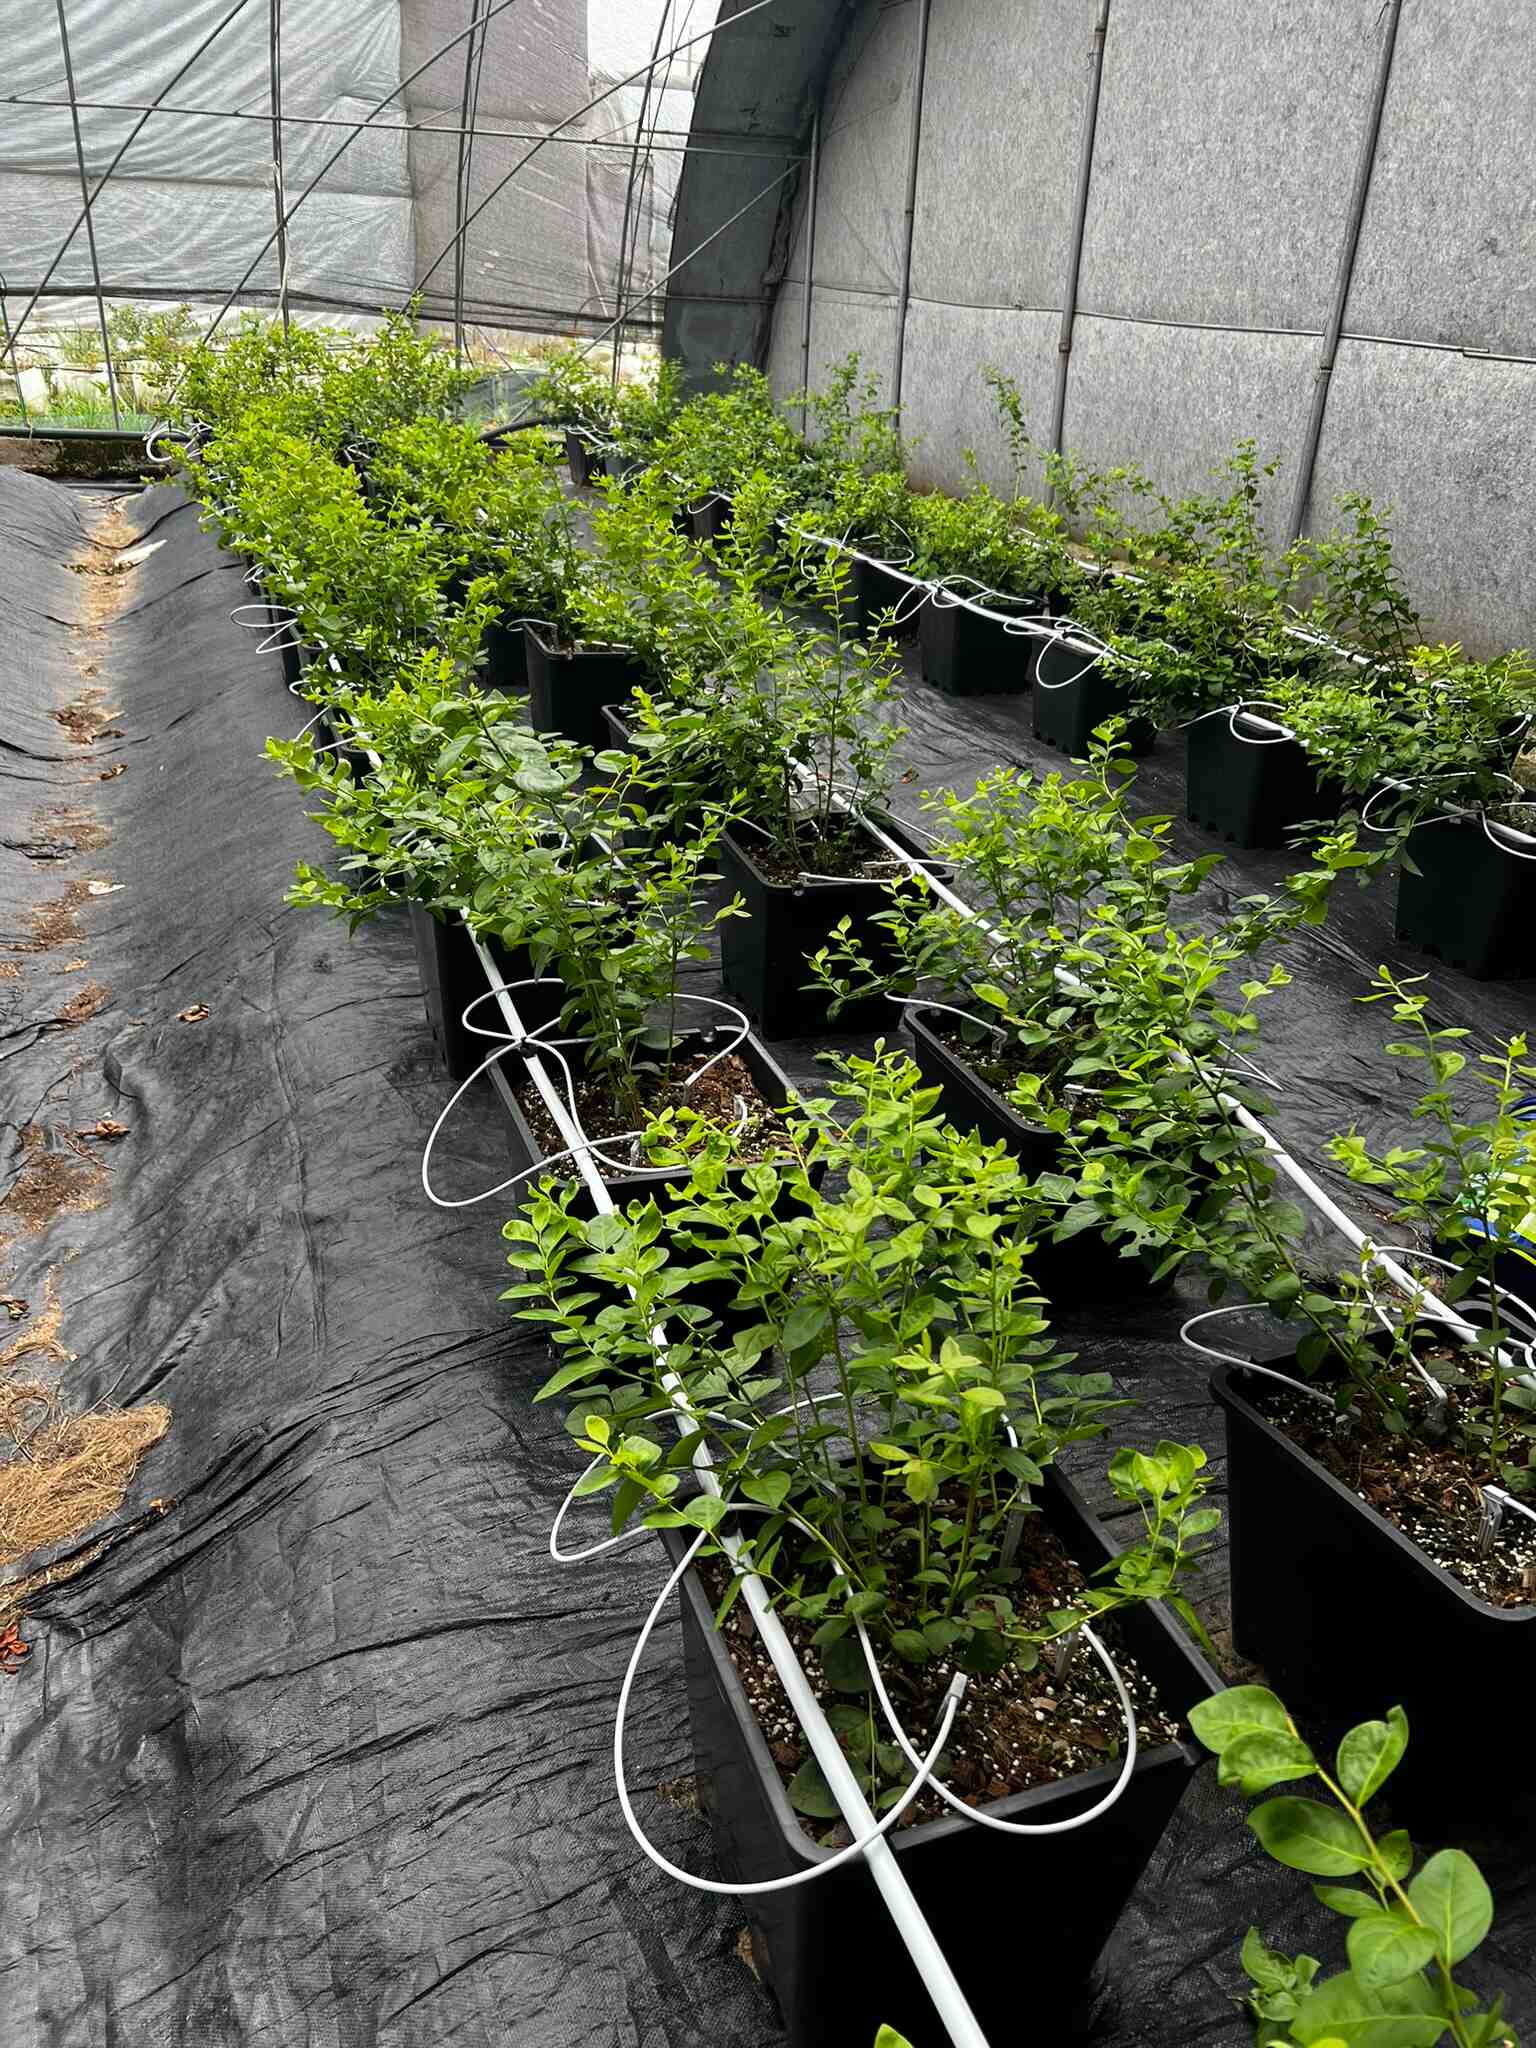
[9, 340]
[909, 214]
[808, 293]
[275, 94]
[625, 276]
[731, 21]
[90, 225]
[1079, 222]
[683, 262]
[472, 71]
[143, 110]
[1357, 199]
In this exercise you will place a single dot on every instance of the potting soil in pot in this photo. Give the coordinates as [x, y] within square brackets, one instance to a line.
[1015, 1729]
[1428, 1490]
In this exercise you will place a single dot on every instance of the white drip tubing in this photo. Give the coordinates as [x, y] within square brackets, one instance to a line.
[932, 1965]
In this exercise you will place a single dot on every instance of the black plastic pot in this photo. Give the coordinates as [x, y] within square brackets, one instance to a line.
[1473, 900]
[708, 520]
[1250, 786]
[774, 1084]
[1074, 693]
[1078, 1266]
[969, 1103]
[1348, 1617]
[1008, 1912]
[506, 656]
[764, 956]
[452, 977]
[877, 590]
[568, 686]
[582, 459]
[965, 655]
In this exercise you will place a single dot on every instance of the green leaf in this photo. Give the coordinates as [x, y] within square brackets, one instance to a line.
[909, 1643]
[803, 1325]
[889, 2038]
[770, 1490]
[1384, 1948]
[1266, 1969]
[1452, 1900]
[843, 1662]
[704, 1511]
[1304, 1835]
[1396, 1852]
[1265, 1757]
[1407, 2015]
[1240, 1710]
[1369, 1754]
[810, 1794]
[1352, 1904]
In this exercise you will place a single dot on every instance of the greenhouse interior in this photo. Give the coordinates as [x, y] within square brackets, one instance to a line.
[768, 1146]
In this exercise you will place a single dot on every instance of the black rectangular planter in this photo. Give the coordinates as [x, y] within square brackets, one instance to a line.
[772, 1081]
[1068, 1271]
[506, 656]
[970, 1103]
[708, 520]
[965, 655]
[452, 977]
[1008, 1912]
[1348, 1617]
[877, 590]
[583, 461]
[764, 956]
[1473, 901]
[568, 687]
[1074, 693]
[1253, 785]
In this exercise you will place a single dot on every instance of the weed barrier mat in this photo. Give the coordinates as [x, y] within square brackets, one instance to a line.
[313, 1744]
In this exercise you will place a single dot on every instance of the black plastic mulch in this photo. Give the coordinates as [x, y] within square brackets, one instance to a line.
[316, 1749]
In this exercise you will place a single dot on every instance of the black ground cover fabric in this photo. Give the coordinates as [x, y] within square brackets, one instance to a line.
[314, 1753]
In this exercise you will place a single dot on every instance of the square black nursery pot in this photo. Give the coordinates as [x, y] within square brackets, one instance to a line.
[1348, 1617]
[1009, 1912]
[1248, 782]
[878, 589]
[773, 1084]
[1473, 900]
[506, 655]
[1074, 693]
[568, 687]
[452, 977]
[1077, 1267]
[582, 459]
[765, 956]
[709, 519]
[965, 655]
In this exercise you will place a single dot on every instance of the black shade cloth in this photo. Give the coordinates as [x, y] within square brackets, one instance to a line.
[317, 1756]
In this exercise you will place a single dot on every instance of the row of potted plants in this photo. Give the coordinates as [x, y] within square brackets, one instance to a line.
[888, 1256]
[1298, 675]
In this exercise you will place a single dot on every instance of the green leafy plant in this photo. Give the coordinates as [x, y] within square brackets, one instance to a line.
[887, 1385]
[1409, 1930]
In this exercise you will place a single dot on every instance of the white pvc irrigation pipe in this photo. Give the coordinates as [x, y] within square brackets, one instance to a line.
[928, 1958]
